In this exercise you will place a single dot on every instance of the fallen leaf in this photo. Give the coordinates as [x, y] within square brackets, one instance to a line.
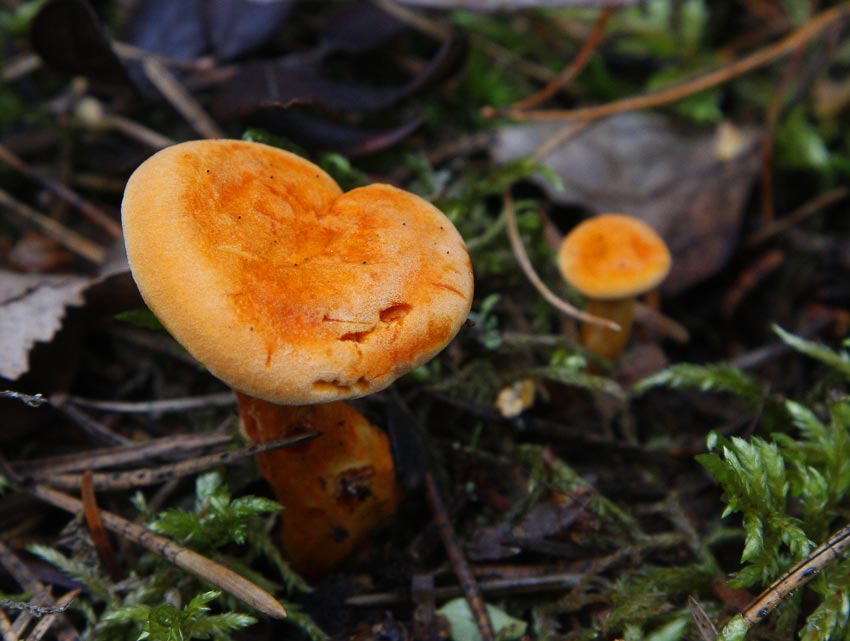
[183, 40]
[226, 29]
[300, 80]
[32, 307]
[689, 184]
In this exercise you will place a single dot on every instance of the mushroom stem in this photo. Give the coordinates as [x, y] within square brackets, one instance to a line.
[336, 490]
[603, 342]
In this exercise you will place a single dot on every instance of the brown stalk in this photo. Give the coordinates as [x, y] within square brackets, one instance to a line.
[98, 533]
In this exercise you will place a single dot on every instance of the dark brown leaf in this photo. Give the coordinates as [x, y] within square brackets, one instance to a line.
[358, 28]
[300, 80]
[184, 39]
[227, 29]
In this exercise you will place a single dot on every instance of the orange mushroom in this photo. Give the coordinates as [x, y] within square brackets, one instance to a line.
[298, 296]
[611, 259]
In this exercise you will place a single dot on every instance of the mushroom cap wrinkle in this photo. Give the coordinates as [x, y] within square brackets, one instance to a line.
[613, 256]
[282, 285]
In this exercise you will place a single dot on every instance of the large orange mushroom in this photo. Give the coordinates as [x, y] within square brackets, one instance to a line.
[612, 259]
[298, 296]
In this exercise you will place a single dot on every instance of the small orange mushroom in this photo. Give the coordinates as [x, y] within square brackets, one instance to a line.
[298, 296]
[611, 259]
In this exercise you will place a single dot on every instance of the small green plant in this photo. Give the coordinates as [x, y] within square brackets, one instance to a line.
[790, 488]
[166, 622]
[147, 606]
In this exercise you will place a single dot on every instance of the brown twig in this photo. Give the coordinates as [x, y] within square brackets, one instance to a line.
[137, 131]
[760, 58]
[506, 586]
[817, 204]
[19, 66]
[223, 399]
[28, 581]
[458, 560]
[528, 270]
[94, 213]
[46, 622]
[105, 481]
[114, 456]
[98, 533]
[750, 278]
[95, 430]
[6, 631]
[202, 567]
[181, 99]
[574, 68]
[68, 238]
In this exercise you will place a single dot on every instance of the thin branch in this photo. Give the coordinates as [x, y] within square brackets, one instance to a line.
[202, 567]
[181, 99]
[113, 456]
[769, 54]
[68, 238]
[106, 481]
[94, 213]
[806, 210]
[574, 68]
[46, 622]
[458, 560]
[223, 399]
[548, 294]
[507, 586]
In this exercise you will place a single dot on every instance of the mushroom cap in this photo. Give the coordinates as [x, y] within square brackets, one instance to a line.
[613, 256]
[281, 285]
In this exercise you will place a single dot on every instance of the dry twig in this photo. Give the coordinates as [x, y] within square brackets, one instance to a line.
[224, 399]
[202, 567]
[68, 238]
[769, 54]
[113, 456]
[152, 476]
[574, 68]
[548, 294]
[458, 560]
[181, 99]
[94, 213]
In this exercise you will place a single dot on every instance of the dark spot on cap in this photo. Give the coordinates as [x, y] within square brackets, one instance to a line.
[339, 534]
